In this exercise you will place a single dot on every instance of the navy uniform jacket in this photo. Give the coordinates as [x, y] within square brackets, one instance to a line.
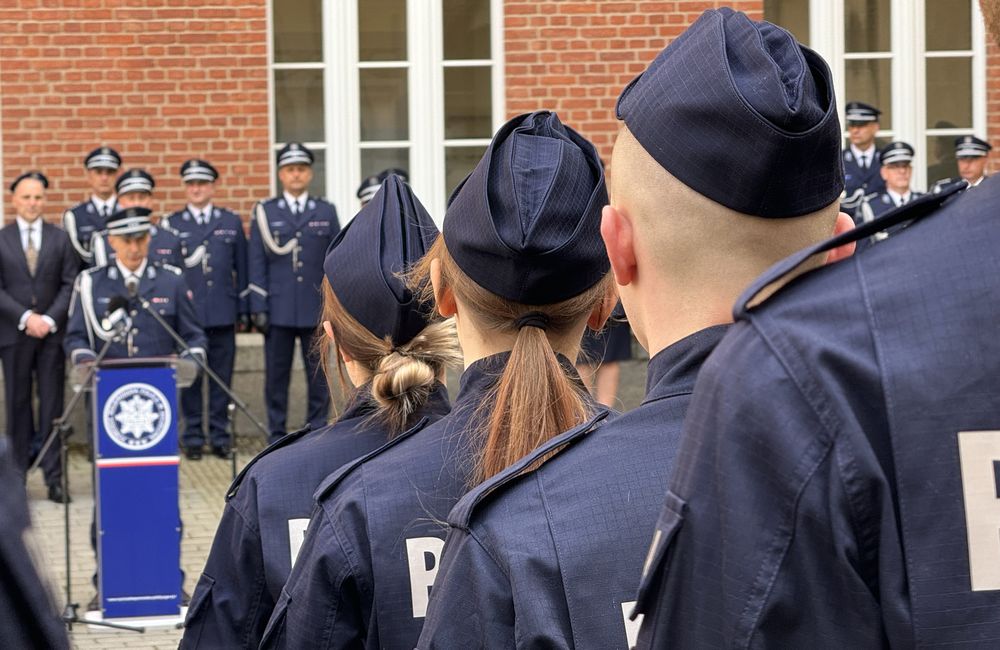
[265, 521]
[162, 286]
[215, 264]
[837, 481]
[81, 222]
[365, 570]
[286, 260]
[858, 182]
[873, 208]
[164, 248]
[552, 558]
[28, 617]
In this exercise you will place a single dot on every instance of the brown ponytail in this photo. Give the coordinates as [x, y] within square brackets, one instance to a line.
[534, 399]
[403, 377]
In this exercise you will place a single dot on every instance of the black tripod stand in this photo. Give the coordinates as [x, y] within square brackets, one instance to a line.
[233, 399]
[60, 430]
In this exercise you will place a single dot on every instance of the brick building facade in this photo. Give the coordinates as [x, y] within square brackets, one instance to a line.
[164, 80]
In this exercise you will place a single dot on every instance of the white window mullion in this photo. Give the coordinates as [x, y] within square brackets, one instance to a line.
[979, 120]
[423, 30]
[908, 80]
[497, 54]
[342, 100]
[826, 37]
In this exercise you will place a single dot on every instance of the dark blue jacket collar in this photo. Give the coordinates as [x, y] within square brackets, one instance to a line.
[674, 369]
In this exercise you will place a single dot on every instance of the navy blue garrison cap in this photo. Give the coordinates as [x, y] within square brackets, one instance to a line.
[363, 263]
[525, 224]
[34, 175]
[741, 113]
[103, 158]
[135, 180]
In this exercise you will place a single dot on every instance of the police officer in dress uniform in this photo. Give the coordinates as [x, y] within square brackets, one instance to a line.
[369, 186]
[372, 548]
[897, 169]
[289, 235]
[554, 554]
[135, 190]
[269, 504]
[129, 273]
[84, 219]
[37, 270]
[837, 481]
[214, 249]
[28, 617]
[861, 157]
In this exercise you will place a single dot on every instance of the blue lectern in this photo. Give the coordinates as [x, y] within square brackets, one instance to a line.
[136, 465]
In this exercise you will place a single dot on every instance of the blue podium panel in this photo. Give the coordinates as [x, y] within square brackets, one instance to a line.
[138, 517]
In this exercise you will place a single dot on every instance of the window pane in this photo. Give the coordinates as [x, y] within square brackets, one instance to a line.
[381, 30]
[375, 160]
[941, 158]
[866, 26]
[298, 31]
[458, 162]
[384, 104]
[949, 91]
[948, 25]
[298, 105]
[793, 15]
[870, 81]
[466, 29]
[468, 101]
[317, 187]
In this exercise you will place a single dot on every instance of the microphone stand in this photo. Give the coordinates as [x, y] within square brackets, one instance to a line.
[60, 428]
[203, 364]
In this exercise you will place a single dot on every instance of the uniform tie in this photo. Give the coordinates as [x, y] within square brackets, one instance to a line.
[864, 161]
[31, 252]
[298, 207]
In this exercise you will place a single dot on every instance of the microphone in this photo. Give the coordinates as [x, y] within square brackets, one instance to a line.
[116, 317]
[132, 285]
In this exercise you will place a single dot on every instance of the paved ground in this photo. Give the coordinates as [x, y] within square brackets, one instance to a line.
[202, 485]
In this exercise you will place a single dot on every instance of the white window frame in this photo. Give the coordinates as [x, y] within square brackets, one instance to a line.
[425, 92]
[909, 80]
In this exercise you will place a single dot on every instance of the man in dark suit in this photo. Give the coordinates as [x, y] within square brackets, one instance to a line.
[37, 268]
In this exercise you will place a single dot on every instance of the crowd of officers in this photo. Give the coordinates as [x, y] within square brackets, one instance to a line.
[815, 463]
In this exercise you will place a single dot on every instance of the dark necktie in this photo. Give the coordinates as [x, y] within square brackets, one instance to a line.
[864, 161]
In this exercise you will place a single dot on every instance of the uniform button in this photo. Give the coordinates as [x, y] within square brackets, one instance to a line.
[135, 330]
[134, 312]
[162, 312]
[208, 269]
[208, 283]
[298, 234]
[301, 264]
[299, 278]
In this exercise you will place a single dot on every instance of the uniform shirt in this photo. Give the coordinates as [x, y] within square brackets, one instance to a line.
[265, 520]
[215, 262]
[85, 219]
[164, 289]
[285, 277]
[836, 441]
[552, 557]
[164, 248]
[365, 569]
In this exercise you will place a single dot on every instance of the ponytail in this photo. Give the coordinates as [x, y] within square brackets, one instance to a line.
[403, 377]
[535, 398]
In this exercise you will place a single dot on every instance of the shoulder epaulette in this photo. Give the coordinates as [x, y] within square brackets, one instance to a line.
[463, 511]
[280, 443]
[334, 479]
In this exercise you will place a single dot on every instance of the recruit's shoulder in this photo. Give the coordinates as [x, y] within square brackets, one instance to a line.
[514, 484]
[260, 463]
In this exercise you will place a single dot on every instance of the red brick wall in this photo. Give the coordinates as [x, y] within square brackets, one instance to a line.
[159, 80]
[575, 57]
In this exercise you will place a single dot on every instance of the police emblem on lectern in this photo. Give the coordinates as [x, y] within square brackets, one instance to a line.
[136, 416]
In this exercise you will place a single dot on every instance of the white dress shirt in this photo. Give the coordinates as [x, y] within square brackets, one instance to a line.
[137, 274]
[302, 200]
[868, 154]
[104, 208]
[201, 216]
[899, 199]
[33, 230]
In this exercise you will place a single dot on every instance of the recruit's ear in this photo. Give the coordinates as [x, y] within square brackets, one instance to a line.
[618, 235]
[844, 223]
[444, 297]
[328, 330]
[601, 312]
